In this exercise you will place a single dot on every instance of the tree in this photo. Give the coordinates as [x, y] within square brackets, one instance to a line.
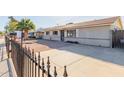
[12, 18]
[6, 28]
[12, 24]
[1, 33]
[26, 25]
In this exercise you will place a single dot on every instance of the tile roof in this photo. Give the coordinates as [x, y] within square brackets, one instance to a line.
[100, 22]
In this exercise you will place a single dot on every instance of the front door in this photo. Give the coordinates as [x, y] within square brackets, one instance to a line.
[62, 35]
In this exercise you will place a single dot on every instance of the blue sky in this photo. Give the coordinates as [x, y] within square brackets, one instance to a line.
[49, 21]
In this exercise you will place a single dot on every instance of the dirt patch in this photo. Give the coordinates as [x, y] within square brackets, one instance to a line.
[44, 45]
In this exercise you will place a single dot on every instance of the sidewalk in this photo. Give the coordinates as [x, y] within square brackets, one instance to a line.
[6, 65]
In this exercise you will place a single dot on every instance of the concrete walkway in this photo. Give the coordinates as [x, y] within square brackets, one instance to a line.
[6, 66]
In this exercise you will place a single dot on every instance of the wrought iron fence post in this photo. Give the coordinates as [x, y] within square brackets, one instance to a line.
[33, 62]
[22, 38]
[39, 64]
[35, 65]
[65, 72]
[48, 67]
[22, 60]
[8, 45]
[55, 72]
[19, 59]
[29, 61]
[9, 40]
[25, 60]
[42, 67]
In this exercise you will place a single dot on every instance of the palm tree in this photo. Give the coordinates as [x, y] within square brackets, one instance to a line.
[26, 25]
[12, 19]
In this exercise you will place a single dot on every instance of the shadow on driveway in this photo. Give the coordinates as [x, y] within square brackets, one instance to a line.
[112, 55]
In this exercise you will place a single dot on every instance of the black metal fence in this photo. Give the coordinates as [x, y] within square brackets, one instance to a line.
[118, 39]
[27, 63]
[7, 43]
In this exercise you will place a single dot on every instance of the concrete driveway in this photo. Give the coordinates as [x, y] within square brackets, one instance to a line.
[81, 60]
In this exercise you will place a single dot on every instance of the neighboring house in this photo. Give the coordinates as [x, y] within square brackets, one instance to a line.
[35, 34]
[96, 32]
[39, 33]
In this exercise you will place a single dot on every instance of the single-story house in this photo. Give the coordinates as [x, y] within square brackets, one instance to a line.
[39, 34]
[95, 32]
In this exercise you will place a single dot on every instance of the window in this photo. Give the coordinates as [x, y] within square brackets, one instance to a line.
[55, 32]
[71, 33]
[47, 33]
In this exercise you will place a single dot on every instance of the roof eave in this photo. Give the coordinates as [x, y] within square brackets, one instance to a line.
[75, 27]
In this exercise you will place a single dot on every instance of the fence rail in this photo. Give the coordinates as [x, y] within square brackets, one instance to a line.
[27, 63]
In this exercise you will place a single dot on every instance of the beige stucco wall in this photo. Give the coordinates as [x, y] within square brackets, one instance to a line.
[51, 36]
[95, 32]
[99, 36]
[97, 42]
[55, 37]
[46, 36]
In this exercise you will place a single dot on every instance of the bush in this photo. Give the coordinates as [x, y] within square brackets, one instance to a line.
[1, 33]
